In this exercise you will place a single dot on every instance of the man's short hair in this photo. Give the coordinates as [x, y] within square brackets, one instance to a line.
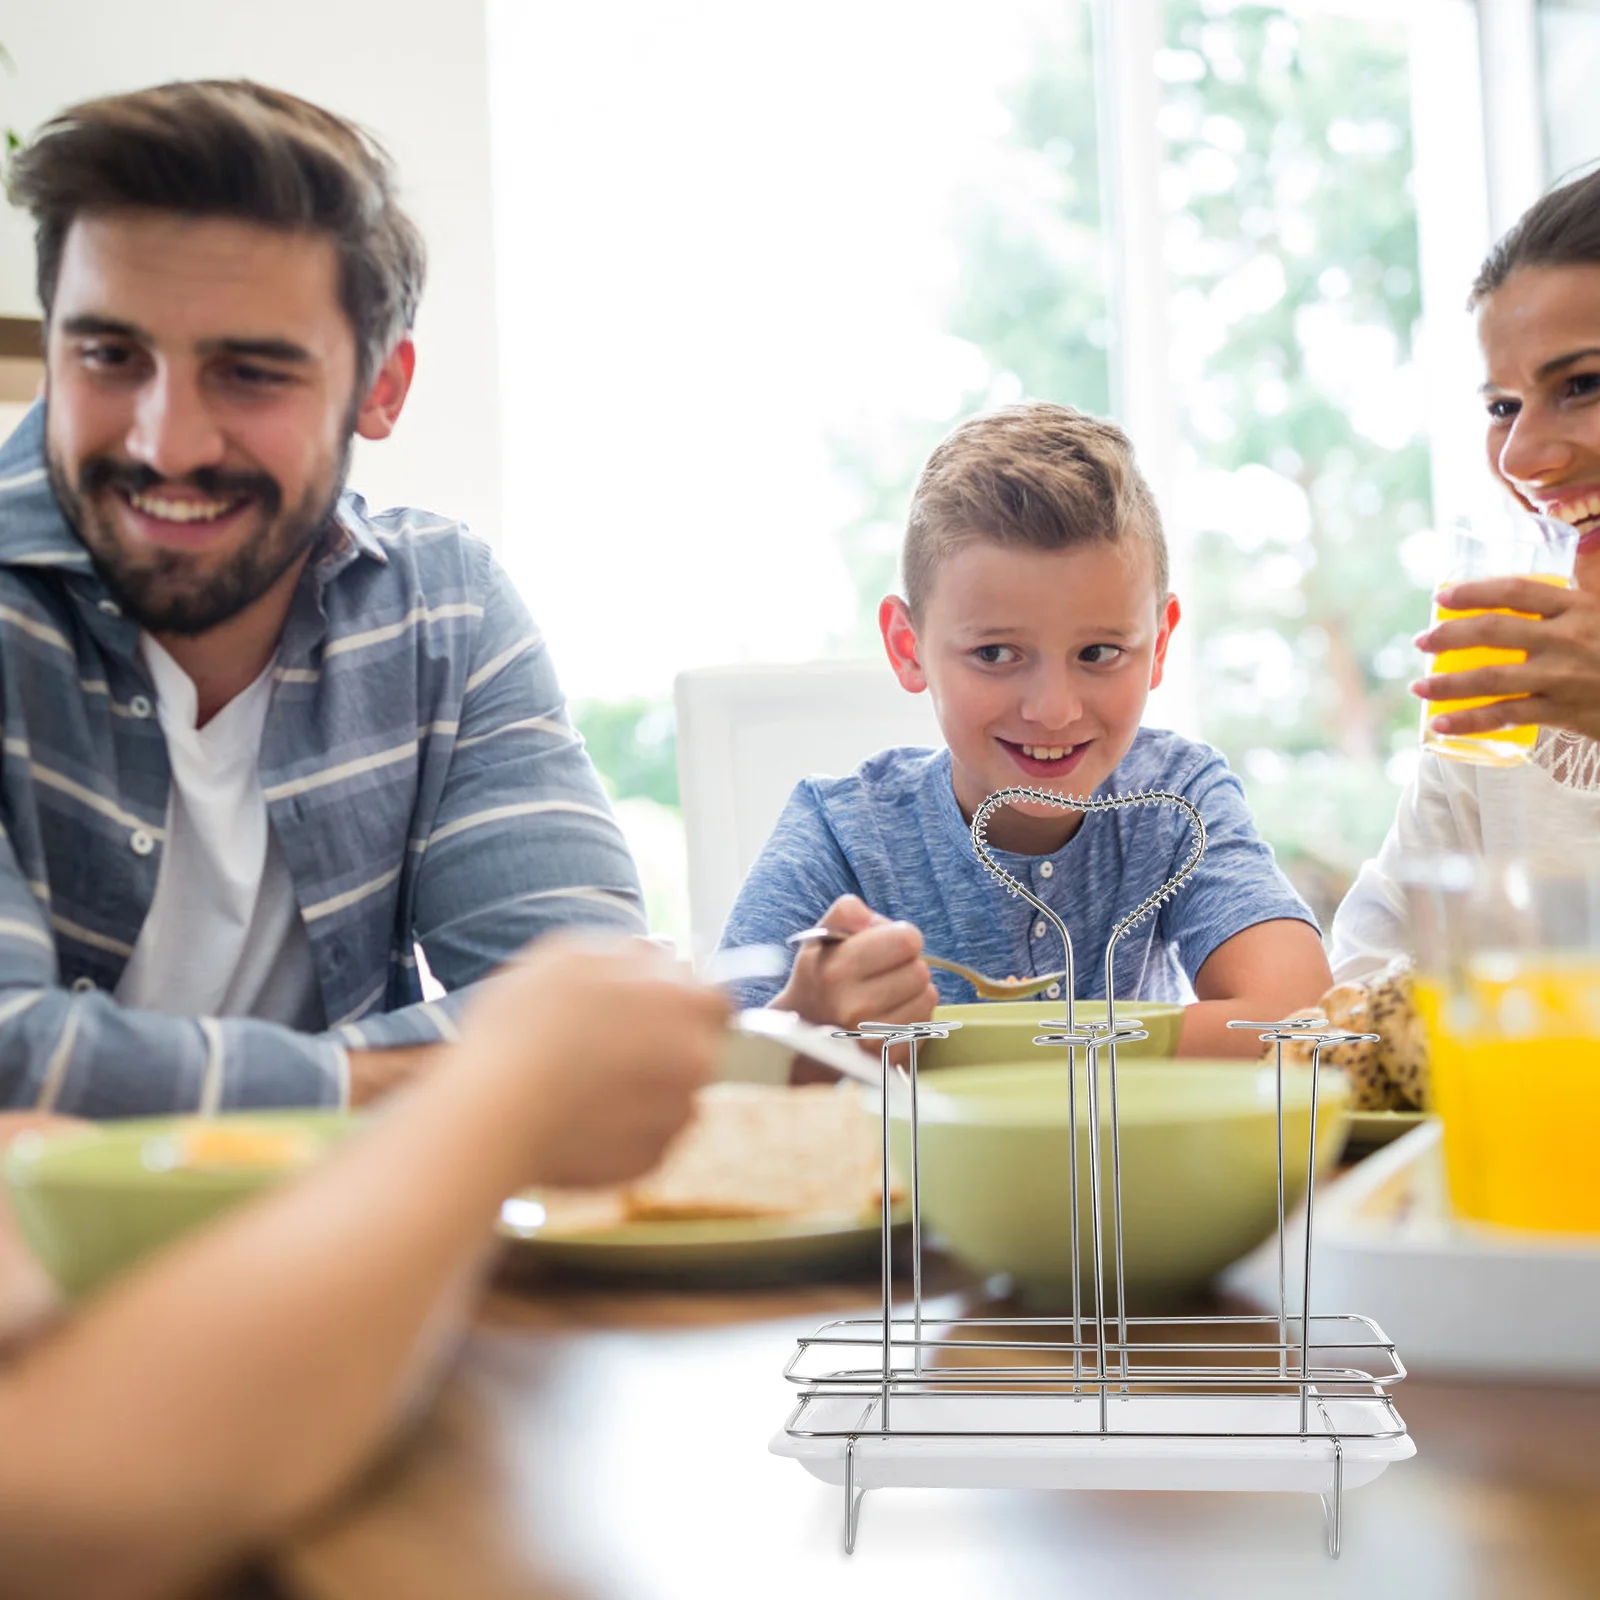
[239, 150]
[1037, 475]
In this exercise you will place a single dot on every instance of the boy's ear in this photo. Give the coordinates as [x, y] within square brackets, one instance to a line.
[900, 641]
[380, 410]
[1171, 611]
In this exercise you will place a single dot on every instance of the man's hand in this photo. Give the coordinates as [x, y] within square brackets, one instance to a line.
[600, 1049]
[875, 975]
[1559, 682]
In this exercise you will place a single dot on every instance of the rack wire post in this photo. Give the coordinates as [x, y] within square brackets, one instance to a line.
[889, 1035]
[1316, 1032]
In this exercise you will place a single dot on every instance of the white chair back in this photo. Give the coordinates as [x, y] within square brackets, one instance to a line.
[747, 735]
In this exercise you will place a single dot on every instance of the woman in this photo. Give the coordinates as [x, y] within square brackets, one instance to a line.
[1537, 299]
[212, 1397]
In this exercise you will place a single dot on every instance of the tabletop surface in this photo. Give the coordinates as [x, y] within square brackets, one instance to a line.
[611, 1444]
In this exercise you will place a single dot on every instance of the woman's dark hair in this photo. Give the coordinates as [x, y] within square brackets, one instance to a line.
[1561, 229]
[232, 149]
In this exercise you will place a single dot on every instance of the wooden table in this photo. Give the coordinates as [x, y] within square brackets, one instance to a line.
[612, 1445]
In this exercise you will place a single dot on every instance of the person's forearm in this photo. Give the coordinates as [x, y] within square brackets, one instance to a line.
[1205, 1030]
[148, 1459]
[1263, 973]
[86, 1055]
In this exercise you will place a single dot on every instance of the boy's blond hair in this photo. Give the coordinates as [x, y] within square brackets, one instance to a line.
[1038, 475]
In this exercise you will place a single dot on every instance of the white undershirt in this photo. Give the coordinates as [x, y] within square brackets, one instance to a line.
[224, 935]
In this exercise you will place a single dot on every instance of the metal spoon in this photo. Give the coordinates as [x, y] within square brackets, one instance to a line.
[986, 988]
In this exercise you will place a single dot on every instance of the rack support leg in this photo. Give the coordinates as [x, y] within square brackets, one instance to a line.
[852, 1498]
[1333, 1502]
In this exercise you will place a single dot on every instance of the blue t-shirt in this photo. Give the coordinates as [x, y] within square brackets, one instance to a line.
[893, 834]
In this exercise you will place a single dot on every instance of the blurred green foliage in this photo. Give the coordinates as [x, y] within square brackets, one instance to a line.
[1290, 227]
[1305, 638]
[632, 744]
[10, 139]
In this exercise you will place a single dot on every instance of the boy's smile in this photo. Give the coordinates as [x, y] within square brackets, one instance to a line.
[1039, 663]
[1046, 760]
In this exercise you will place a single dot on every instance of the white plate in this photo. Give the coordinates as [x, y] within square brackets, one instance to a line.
[1141, 1451]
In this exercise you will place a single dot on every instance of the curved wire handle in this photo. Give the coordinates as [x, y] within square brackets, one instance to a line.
[1114, 802]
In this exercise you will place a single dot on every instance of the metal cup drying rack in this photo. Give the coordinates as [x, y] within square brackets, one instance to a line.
[1098, 1398]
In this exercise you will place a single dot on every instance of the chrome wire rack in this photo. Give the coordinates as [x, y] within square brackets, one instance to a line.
[1095, 1398]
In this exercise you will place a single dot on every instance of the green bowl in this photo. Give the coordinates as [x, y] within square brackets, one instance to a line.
[998, 1032]
[92, 1202]
[1199, 1167]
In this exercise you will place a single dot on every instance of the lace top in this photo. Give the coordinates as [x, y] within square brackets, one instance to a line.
[1572, 759]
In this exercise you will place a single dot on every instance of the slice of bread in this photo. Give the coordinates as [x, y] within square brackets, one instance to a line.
[757, 1150]
[1386, 1074]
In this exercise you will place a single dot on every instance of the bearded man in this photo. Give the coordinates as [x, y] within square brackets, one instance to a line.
[259, 742]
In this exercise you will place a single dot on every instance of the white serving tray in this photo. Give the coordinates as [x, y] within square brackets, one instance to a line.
[1143, 1450]
[1455, 1297]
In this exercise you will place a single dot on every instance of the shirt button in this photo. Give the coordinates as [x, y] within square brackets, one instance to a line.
[1053, 992]
[110, 608]
[1040, 928]
[83, 985]
[140, 842]
[1047, 869]
[140, 706]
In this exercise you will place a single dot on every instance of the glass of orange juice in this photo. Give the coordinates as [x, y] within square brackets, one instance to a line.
[1515, 546]
[1509, 988]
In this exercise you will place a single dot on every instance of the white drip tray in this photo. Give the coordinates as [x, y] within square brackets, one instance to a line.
[1052, 1441]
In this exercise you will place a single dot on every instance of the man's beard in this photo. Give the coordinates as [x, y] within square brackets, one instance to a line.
[162, 590]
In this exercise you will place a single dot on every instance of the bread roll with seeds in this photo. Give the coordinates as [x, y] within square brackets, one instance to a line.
[1361, 1060]
[1403, 1049]
[1391, 1073]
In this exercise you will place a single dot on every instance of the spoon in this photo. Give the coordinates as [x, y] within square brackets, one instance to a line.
[985, 987]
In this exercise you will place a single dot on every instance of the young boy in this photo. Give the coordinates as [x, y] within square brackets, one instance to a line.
[1037, 615]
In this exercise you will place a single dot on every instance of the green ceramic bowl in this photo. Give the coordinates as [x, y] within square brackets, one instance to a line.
[91, 1202]
[1199, 1167]
[998, 1032]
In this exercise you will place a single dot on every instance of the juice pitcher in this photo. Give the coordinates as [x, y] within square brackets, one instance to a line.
[1508, 957]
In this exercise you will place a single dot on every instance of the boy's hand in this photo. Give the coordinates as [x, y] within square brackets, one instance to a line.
[600, 1048]
[875, 975]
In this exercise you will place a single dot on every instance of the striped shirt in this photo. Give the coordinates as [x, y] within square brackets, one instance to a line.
[419, 771]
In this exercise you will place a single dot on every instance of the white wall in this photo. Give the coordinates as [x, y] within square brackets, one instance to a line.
[415, 73]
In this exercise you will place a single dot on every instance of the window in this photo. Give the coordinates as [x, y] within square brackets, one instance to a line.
[1301, 470]
[753, 262]
[751, 277]
[1569, 47]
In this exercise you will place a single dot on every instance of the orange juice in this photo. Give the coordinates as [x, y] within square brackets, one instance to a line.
[1504, 747]
[1515, 1074]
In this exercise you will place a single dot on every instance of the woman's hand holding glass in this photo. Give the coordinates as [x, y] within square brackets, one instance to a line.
[1556, 684]
[1503, 578]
